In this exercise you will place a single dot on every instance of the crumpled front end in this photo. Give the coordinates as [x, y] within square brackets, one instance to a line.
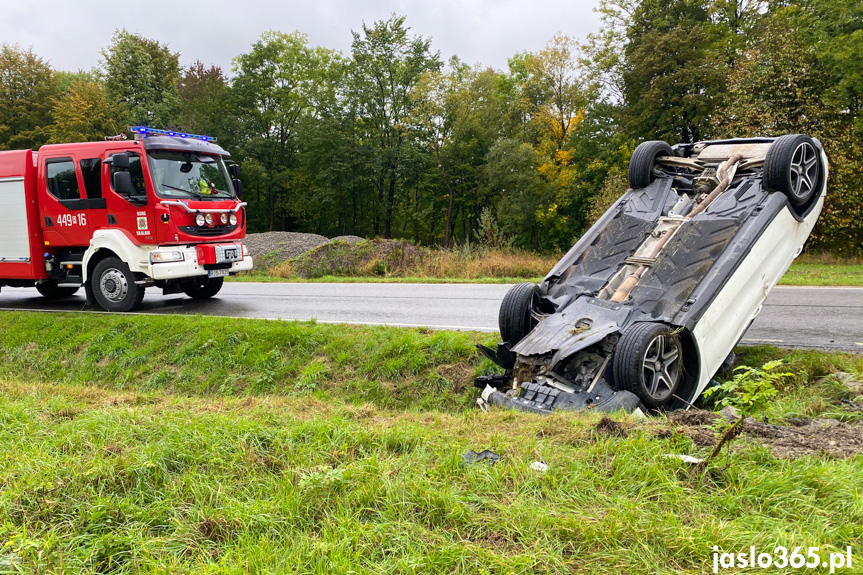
[563, 363]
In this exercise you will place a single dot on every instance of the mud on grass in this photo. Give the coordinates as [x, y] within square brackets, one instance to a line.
[827, 437]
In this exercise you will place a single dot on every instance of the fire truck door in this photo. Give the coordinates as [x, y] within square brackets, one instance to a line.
[133, 213]
[62, 205]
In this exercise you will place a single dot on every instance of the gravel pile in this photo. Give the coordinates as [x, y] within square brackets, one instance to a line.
[270, 248]
[349, 239]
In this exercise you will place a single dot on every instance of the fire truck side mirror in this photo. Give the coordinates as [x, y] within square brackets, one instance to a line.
[235, 170]
[238, 187]
[123, 183]
[119, 161]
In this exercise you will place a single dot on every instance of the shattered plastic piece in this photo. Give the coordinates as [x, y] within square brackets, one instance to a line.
[684, 458]
[472, 457]
[638, 414]
[539, 466]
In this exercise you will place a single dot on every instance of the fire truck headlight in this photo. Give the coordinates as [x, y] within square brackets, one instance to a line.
[209, 219]
[166, 256]
[199, 219]
[224, 218]
[233, 219]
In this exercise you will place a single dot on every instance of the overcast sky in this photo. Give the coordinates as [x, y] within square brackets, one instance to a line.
[70, 34]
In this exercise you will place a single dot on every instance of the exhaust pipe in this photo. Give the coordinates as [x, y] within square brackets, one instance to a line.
[726, 172]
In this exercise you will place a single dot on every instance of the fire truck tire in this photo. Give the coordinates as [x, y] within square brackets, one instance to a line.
[203, 288]
[51, 290]
[114, 287]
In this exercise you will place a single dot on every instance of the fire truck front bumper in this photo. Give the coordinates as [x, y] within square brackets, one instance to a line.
[214, 260]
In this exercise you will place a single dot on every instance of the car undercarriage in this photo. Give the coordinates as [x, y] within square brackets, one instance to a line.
[649, 303]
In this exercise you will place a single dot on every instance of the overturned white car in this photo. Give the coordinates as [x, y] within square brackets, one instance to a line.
[646, 307]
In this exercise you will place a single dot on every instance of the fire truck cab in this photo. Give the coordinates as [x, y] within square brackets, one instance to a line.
[119, 216]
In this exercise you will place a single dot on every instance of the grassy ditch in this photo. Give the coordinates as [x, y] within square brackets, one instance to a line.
[298, 447]
[391, 367]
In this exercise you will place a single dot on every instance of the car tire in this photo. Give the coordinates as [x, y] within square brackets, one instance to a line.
[114, 287]
[51, 290]
[643, 160]
[648, 362]
[516, 319]
[793, 166]
[203, 287]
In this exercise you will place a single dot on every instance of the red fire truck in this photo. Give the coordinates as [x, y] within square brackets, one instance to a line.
[119, 216]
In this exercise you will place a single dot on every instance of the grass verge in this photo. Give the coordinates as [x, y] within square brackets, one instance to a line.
[396, 261]
[391, 367]
[111, 462]
[382, 279]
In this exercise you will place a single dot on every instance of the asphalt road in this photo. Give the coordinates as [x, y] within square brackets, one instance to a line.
[824, 318]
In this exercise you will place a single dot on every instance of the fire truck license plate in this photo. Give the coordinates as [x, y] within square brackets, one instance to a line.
[218, 273]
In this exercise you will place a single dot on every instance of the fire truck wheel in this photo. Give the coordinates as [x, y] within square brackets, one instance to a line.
[51, 290]
[203, 288]
[114, 286]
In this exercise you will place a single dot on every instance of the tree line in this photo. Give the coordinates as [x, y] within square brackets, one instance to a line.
[390, 140]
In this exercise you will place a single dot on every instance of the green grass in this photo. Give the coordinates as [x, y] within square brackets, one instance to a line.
[815, 274]
[203, 355]
[141, 444]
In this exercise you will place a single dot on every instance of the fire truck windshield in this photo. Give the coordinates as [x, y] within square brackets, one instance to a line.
[187, 175]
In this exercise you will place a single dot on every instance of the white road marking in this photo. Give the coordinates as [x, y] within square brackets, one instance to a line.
[764, 340]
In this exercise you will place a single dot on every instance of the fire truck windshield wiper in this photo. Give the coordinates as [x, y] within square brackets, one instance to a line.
[190, 192]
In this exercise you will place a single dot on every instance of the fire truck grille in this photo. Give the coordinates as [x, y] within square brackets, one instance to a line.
[207, 232]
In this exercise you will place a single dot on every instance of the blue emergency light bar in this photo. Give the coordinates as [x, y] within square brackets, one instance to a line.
[145, 131]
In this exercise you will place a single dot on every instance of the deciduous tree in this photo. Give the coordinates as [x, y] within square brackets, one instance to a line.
[386, 67]
[27, 84]
[142, 75]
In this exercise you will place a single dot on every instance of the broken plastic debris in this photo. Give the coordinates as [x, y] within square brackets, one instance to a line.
[539, 466]
[472, 457]
[684, 458]
[638, 414]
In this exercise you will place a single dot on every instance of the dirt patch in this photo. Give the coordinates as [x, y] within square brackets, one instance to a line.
[827, 437]
[817, 437]
[693, 417]
[460, 374]
[113, 449]
[216, 530]
[609, 428]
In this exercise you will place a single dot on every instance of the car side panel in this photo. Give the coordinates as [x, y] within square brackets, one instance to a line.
[738, 302]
